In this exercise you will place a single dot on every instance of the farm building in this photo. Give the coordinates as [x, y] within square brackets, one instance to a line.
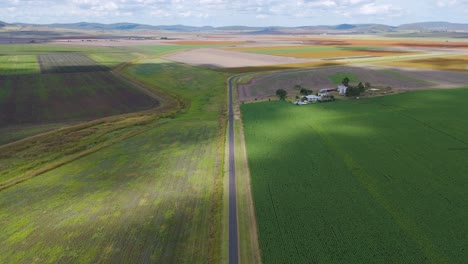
[342, 89]
[323, 94]
[326, 90]
[313, 98]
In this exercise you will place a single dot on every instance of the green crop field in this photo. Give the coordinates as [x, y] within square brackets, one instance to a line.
[380, 180]
[338, 77]
[18, 64]
[152, 193]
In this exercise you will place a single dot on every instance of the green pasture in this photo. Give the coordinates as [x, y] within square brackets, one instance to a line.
[380, 180]
[146, 199]
[18, 64]
[338, 78]
[21, 58]
[35, 49]
[154, 195]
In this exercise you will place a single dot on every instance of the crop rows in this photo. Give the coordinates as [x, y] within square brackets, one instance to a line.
[375, 181]
[44, 98]
[18, 64]
[67, 63]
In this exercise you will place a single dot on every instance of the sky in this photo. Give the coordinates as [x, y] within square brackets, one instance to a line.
[234, 12]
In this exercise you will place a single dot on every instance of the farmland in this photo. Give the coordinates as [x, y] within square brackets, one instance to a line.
[325, 52]
[142, 187]
[64, 63]
[376, 180]
[71, 87]
[458, 63]
[398, 79]
[215, 58]
[113, 150]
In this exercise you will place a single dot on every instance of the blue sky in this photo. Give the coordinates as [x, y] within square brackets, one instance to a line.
[234, 12]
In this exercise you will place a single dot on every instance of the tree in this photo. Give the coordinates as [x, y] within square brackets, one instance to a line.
[361, 87]
[345, 81]
[281, 94]
[367, 84]
[305, 91]
[353, 91]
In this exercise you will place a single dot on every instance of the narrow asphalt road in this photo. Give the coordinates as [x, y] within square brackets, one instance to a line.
[233, 233]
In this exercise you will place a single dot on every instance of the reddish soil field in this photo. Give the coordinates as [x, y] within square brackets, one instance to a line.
[46, 98]
[377, 42]
[206, 42]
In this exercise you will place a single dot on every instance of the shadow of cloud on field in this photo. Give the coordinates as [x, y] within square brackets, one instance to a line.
[75, 69]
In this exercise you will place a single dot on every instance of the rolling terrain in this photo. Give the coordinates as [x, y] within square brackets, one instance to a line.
[113, 145]
[112, 189]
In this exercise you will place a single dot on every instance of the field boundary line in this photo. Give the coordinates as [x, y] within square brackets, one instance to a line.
[233, 228]
[249, 250]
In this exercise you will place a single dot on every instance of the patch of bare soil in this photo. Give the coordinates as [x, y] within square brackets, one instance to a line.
[216, 58]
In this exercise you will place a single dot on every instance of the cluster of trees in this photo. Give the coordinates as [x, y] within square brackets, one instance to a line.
[303, 90]
[354, 90]
[281, 93]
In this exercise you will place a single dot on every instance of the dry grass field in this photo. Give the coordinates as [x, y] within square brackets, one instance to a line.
[384, 42]
[459, 63]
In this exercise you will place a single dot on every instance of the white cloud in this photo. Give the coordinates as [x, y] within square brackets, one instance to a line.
[373, 9]
[229, 12]
[447, 3]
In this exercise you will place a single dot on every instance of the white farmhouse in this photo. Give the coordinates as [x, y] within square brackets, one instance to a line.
[342, 89]
[313, 98]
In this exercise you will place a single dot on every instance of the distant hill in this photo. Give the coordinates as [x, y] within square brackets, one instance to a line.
[240, 28]
[434, 26]
[3, 24]
[320, 29]
[345, 26]
[99, 26]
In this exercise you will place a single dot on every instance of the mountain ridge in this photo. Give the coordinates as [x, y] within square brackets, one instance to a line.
[437, 26]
